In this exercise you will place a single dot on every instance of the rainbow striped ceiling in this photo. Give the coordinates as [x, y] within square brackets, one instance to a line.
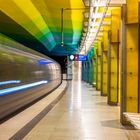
[37, 24]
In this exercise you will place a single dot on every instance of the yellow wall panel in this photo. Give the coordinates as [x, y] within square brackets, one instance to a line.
[114, 73]
[98, 63]
[113, 68]
[105, 41]
[94, 70]
[115, 20]
[99, 47]
[130, 101]
[104, 67]
[132, 68]
[104, 73]
[132, 11]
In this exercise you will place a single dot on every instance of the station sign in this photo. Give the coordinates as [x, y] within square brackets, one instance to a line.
[82, 57]
[77, 57]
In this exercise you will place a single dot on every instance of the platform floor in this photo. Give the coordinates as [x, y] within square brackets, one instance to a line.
[81, 114]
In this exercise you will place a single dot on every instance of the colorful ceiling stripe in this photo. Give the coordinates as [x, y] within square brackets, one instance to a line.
[42, 20]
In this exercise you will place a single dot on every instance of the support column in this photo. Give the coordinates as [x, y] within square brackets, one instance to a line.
[98, 66]
[94, 71]
[83, 71]
[104, 65]
[104, 69]
[86, 71]
[130, 59]
[91, 71]
[113, 57]
[94, 66]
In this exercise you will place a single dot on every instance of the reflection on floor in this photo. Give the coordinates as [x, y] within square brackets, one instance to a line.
[82, 114]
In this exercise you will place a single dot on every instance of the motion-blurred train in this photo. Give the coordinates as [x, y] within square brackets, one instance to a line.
[25, 76]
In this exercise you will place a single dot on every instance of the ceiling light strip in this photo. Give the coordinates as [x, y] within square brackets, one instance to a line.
[94, 28]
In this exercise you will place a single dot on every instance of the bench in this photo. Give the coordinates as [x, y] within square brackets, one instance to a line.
[133, 118]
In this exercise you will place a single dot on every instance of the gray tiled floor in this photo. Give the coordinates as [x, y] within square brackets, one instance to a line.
[82, 114]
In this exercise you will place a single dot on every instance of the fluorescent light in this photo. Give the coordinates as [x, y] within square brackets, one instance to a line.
[83, 38]
[105, 23]
[93, 26]
[100, 4]
[86, 14]
[101, 29]
[95, 41]
[96, 15]
[86, 23]
[97, 24]
[92, 30]
[108, 15]
[100, 34]
[85, 29]
[99, 15]
[84, 34]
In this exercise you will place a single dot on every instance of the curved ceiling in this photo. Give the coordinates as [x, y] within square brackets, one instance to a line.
[37, 24]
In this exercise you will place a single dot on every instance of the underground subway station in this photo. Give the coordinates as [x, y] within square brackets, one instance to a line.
[70, 69]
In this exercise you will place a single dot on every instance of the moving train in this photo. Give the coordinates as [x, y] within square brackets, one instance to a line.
[25, 76]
